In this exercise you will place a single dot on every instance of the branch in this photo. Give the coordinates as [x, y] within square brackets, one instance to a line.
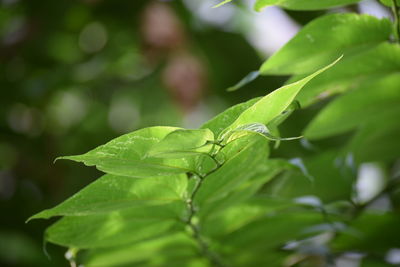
[395, 10]
[213, 258]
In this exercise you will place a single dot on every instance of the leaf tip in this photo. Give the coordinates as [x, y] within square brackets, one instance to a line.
[33, 217]
[246, 80]
[222, 3]
[74, 158]
[332, 64]
[56, 159]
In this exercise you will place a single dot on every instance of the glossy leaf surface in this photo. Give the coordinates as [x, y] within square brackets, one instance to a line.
[272, 105]
[325, 39]
[111, 193]
[126, 155]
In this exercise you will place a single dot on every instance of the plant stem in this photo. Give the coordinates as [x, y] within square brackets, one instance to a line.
[395, 10]
[212, 257]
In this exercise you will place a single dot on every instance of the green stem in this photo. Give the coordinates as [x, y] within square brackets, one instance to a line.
[212, 257]
[395, 10]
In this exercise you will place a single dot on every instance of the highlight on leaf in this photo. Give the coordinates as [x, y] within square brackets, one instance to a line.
[222, 3]
[246, 80]
[273, 104]
[257, 128]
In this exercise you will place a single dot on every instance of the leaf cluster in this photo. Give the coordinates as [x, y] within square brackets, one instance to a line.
[218, 196]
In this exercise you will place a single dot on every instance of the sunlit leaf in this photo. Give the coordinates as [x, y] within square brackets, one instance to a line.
[174, 248]
[272, 105]
[325, 39]
[126, 155]
[233, 218]
[228, 177]
[226, 118]
[183, 142]
[388, 2]
[222, 3]
[111, 193]
[351, 72]
[255, 128]
[246, 189]
[115, 228]
[351, 110]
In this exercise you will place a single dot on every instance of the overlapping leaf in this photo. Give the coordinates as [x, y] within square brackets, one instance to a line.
[237, 216]
[272, 105]
[246, 190]
[125, 221]
[127, 155]
[176, 249]
[325, 39]
[251, 158]
[355, 108]
[389, 2]
[181, 143]
[111, 193]
[326, 179]
[116, 228]
[367, 66]
[377, 140]
[268, 233]
[227, 117]
[371, 232]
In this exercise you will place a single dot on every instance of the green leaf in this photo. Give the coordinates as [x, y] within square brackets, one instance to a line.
[330, 181]
[233, 218]
[275, 122]
[116, 228]
[126, 155]
[183, 143]
[302, 4]
[325, 39]
[226, 118]
[351, 110]
[272, 105]
[377, 140]
[371, 232]
[258, 128]
[269, 233]
[111, 193]
[246, 80]
[389, 2]
[222, 3]
[351, 72]
[173, 248]
[251, 160]
[246, 189]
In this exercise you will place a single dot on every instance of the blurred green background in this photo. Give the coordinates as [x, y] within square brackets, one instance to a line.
[75, 74]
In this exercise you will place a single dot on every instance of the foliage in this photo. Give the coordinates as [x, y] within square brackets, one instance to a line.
[303, 4]
[221, 195]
